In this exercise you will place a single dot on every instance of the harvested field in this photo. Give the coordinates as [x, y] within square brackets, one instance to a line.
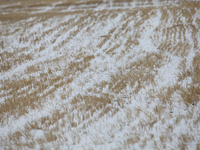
[99, 74]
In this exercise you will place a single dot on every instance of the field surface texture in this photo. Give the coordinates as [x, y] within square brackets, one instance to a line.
[100, 75]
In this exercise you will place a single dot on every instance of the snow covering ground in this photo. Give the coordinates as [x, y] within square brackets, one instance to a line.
[109, 75]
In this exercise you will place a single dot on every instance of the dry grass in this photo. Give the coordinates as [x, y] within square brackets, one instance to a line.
[10, 60]
[51, 81]
[140, 72]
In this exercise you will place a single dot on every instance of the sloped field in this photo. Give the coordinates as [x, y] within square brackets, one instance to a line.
[100, 75]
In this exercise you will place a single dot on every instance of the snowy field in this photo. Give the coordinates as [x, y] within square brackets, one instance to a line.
[100, 75]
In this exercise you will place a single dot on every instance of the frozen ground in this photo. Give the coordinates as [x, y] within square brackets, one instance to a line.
[100, 75]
